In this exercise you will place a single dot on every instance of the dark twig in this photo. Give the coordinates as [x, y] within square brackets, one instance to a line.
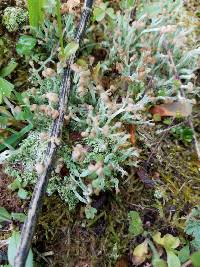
[40, 188]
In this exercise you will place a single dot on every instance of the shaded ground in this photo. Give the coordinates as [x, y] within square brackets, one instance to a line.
[76, 242]
[66, 238]
[8, 199]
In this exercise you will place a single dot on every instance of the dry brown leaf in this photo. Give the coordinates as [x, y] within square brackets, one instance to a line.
[123, 262]
[181, 108]
[132, 134]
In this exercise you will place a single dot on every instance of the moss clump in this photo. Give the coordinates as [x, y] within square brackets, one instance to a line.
[13, 18]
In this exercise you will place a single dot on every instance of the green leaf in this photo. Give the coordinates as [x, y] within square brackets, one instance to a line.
[22, 193]
[99, 14]
[25, 45]
[193, 227]
[184, 254]
[135, 223]
[13, 139]
[5, 89]
[8, 69]
[172, 259]
[18, 216]
[4, 215]
[70, 49]
[14, 185]
[59, 21]
[36, 12]
[195, 258]
[167, 241]
[12, 249]
[159, 263]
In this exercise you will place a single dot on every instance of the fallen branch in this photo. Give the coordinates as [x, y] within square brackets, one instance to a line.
[56, 132]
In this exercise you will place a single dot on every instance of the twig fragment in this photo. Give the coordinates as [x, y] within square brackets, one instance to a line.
[41, 185]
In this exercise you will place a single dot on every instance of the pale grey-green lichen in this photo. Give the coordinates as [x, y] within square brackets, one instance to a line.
[13, 18]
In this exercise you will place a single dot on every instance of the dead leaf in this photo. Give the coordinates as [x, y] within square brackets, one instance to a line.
[140, 253]
[132, 134]
[123, 262]
[181, 108]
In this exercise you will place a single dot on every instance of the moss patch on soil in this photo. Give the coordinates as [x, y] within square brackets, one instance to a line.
[105, 241]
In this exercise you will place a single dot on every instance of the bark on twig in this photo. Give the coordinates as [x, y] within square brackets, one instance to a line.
[41, 185]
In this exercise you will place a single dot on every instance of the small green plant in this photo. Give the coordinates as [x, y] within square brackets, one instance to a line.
[170, 243]
[13, 240]
[5, 216]
[135, 223]
[193, 227]
[102, 11]
[11, 116]
[25, 45]
[5, 86]
[175, 257]
[16, 185]
[183, 133]
[59, 20]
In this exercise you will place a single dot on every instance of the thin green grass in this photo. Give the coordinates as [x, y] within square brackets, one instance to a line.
[59, 20]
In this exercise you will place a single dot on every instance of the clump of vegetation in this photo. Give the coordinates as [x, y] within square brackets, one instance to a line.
[130, 108]
[13, 18]
[193, 226]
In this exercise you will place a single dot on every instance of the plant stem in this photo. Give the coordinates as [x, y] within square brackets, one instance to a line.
[59, 20]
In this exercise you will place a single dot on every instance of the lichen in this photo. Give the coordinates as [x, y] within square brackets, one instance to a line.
[13, 18]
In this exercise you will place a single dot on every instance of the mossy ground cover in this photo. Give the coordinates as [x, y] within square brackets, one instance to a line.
[115, 155]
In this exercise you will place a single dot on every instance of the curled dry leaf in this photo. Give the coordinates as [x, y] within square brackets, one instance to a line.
[140, 253]
[181, 108]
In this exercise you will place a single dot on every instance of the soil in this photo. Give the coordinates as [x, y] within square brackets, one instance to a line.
[8, 199]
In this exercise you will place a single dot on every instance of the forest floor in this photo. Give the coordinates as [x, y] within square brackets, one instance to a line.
[168, 165]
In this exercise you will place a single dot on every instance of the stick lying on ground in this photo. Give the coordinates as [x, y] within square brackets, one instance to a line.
[40, 188]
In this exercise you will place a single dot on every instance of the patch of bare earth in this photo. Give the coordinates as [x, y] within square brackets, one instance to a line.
[8, 199]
